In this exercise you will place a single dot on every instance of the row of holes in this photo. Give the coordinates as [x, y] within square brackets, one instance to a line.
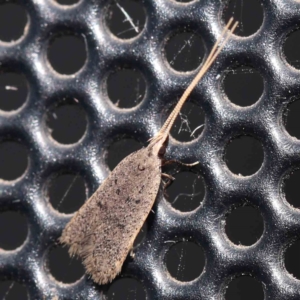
[67, 54]
[241, 288]
[131, 12]
[243, 155]
[126, 88]
[243, 225]
[185, 261]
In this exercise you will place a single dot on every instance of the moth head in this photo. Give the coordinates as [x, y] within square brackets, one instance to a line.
[163, 148]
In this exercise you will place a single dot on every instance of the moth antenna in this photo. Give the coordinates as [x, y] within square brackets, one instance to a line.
[217, 48]
[212, 52]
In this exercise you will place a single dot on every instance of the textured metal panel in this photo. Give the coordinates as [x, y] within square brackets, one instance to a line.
[224, 121]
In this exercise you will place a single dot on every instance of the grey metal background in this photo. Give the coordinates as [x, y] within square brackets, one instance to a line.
[224, 121]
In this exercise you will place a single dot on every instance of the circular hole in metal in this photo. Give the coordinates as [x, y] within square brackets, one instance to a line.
[120, 149]
[291, 188]
[244, 288]
[291, 119]
[185, 261]
[141, 236]
[291, 259]
[126, 288]
[186, 192]
[126, 88]
[67, 193]
[125, 18]
[13, 21]
[244, 155]
[13, 160]
[67, 123]
[243, 86]
[184, 51]
[249, 13]
[244, 225]
[13, 91]
[67, 2]
[291, 49]
[16, 230]
[189, 124]
[64, 268]
[67, 54]
[12, 290]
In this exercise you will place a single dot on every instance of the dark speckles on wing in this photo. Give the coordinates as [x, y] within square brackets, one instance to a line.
[103, 231]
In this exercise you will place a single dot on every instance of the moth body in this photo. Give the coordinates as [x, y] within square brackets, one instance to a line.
[102, 232]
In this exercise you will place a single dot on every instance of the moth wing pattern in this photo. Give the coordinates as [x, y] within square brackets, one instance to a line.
[103, 231]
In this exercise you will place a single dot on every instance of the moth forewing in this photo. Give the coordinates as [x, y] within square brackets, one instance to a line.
[103, 231]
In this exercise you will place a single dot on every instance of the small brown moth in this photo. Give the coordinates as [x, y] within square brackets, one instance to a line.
[103, 231]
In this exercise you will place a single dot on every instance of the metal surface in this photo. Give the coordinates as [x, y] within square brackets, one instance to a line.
[224, 121]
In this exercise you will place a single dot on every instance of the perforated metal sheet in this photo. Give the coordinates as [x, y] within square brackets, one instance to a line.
[223, 122]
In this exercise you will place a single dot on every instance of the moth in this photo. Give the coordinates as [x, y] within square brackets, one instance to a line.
[103, 231]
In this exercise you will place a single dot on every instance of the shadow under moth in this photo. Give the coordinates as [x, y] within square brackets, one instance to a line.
[103, 231]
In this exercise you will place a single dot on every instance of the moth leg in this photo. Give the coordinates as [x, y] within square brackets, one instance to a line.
[167, 183]
[172, 161]
[168, 176]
